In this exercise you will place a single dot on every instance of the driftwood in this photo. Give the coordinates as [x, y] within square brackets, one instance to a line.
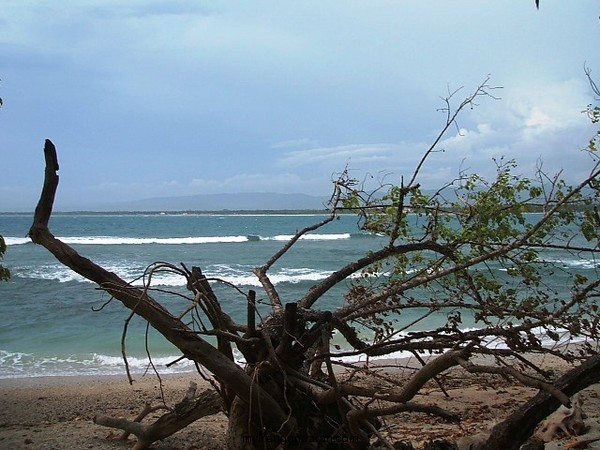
[188, 410]
[519, 426]
[565, 421]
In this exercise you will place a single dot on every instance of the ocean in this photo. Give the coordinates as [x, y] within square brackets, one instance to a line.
[53, 322]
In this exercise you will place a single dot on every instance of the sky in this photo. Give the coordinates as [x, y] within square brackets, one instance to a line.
[159, 98]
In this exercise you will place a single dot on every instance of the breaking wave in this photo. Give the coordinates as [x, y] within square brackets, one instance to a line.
[116, 240]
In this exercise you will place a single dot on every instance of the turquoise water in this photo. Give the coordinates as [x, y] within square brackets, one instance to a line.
[48, 322]
[49, 318]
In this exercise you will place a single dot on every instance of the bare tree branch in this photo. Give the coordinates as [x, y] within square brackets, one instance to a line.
[192, 346]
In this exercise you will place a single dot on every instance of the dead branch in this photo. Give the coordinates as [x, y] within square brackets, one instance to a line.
[363, 414]
[410, 388]
[148, 409]
[188, 410]
[521, 377]
[261, 272]
[173, 329]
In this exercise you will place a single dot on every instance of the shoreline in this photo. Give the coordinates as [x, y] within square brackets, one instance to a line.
[57, 412]
[85, 380]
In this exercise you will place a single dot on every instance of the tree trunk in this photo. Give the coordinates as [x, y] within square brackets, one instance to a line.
[319, 426]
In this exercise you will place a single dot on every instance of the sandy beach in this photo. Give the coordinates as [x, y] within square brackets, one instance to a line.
[57, 412]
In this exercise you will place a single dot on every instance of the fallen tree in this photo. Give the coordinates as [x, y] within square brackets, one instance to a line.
[472, 252]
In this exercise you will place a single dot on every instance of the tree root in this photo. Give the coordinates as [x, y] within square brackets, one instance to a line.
[188, 410]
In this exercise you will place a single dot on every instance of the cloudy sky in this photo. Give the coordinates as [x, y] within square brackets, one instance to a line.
[151, 98]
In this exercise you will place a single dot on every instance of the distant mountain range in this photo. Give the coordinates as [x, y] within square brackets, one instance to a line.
[220, 202]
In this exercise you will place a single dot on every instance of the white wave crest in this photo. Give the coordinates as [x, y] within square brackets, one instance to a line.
[123, 240]
[113, 240]
[234, 274]
[574, 263]
[20, 364]
[244, 276]
[11, 240]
